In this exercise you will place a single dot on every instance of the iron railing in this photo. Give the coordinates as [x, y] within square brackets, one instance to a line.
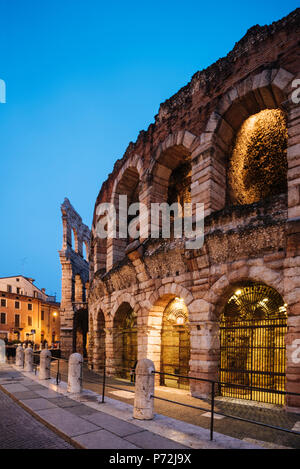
[103, 381]
[213, 384]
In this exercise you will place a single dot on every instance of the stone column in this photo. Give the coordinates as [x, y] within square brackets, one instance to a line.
[144, 388]
[75, 373]
[28, 359]
[20, 356]
[2, 351]
[45, 362]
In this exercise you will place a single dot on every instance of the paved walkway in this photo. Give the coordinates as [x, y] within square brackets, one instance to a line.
[87, 424]
[19, 430]
[266, 437]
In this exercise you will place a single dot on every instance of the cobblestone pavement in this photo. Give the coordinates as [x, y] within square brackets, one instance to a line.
[19, 430]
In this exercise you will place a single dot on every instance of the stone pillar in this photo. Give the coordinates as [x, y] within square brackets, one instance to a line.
[2, 351]
[28, 359]
[45, 362]
[75, 373]
[205, 356]
[144, 388]
[20, 356]
[78, 289]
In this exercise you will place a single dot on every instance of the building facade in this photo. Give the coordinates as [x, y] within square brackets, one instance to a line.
[229, 310]
[28, 313]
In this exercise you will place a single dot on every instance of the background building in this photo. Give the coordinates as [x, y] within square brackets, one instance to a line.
[27, 313]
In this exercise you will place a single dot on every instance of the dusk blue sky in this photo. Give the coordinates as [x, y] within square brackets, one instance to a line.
[83, 78]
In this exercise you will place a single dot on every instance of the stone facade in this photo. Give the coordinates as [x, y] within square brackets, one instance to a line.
[75, 282]
[256, 242]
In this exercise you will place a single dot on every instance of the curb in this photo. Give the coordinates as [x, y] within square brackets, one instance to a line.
[43, 421]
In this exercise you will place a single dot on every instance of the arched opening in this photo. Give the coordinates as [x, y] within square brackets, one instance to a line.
[85, 251]
[253, 325]
[99, 342]
[172, 179]
[175, 344]
[74, 240]
[179, 188]
[172, 176]
[128, 186]
[81, 331]
[258, 164]
[125, 340]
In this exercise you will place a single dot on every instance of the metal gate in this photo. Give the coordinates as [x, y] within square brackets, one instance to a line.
[252, 345]
[125, 341]
[129, 352]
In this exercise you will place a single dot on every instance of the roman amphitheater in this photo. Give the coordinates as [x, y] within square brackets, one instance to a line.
[230, 310]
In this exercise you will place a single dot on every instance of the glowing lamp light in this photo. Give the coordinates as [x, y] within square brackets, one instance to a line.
[238, 292]
[180, 320]
[55, 313]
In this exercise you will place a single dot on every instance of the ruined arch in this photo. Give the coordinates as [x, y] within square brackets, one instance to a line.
[75, 275]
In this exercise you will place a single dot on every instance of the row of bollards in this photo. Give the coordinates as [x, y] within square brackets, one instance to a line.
[24, 359]
[144, 384]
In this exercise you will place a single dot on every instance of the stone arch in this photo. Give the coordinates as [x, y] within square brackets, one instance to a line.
[208, 334]
[127, 184]
[167, 291]
[156, 306]
[75, 241]
[86, 250]
[124, 340]
[268, 89]
[216, 296]
[123, 298]
[175, 150]
[134, 162]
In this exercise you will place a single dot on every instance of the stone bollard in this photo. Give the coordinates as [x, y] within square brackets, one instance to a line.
[28, 359]
[45, 362]
[75, 373]
[144, 388]
[2, 351]
[20, 356]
